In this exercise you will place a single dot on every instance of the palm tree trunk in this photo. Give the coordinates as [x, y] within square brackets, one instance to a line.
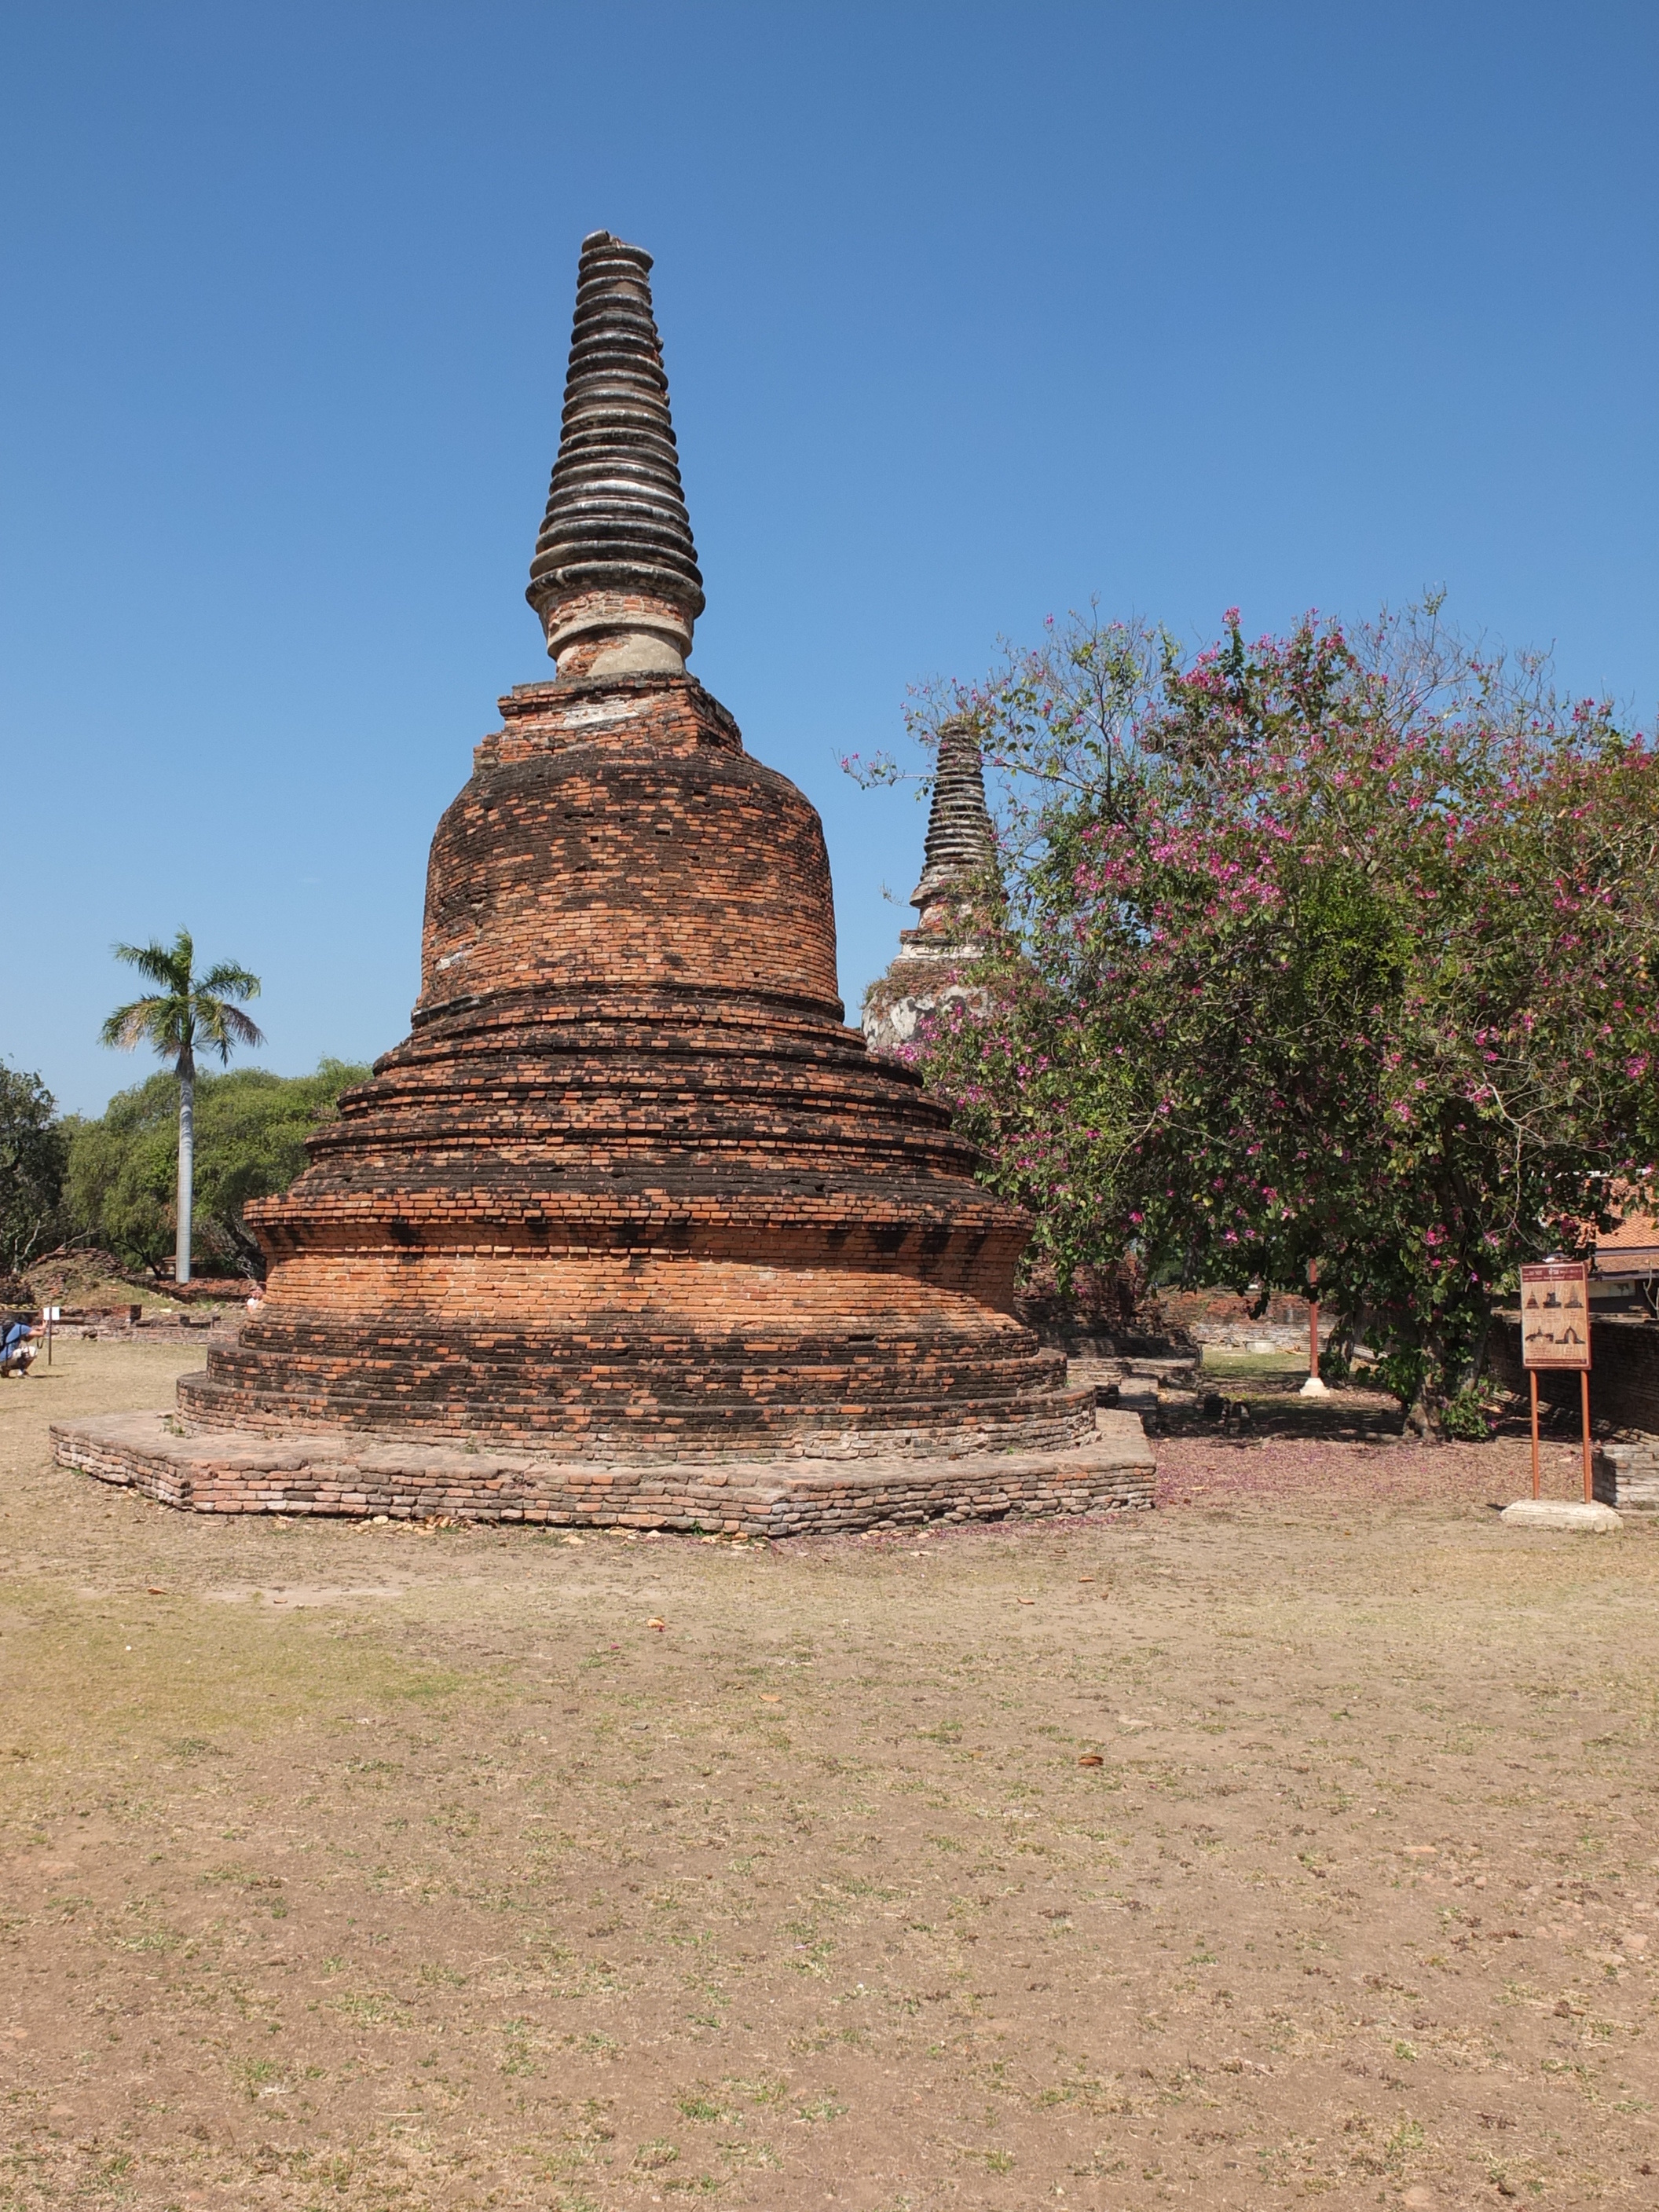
[186, 1169]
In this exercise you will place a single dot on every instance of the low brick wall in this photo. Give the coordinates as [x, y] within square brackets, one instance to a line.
[1627, 1475]
[242, 1470]
[1223, 1318]
[1623, 1369]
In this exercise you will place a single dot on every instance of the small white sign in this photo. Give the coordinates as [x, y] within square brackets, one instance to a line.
[52, 1313]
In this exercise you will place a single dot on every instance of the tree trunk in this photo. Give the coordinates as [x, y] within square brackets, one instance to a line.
[1477, 1363]
[1425, 1417]
[186, 1169]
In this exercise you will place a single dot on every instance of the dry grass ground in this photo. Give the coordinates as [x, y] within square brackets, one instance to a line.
[354, 1866]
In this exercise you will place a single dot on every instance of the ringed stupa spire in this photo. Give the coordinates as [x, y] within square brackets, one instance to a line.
[961, 843]
[614, 577]
[960, 850]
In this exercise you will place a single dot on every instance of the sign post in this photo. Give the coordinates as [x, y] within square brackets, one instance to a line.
[1313, 1318]
[1555, 1335]
[1314, 1387]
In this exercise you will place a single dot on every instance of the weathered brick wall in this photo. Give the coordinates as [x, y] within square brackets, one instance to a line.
[1231, 1310]
[1623, 1369]
[617, 834]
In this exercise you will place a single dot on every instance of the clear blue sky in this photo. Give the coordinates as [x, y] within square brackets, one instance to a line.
[969, 311]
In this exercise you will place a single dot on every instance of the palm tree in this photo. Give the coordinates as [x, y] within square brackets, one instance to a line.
[183, 1011]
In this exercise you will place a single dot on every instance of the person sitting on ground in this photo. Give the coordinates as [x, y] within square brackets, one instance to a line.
[17, 1349]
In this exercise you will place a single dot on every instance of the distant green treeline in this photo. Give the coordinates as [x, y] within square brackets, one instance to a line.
[110, 1182]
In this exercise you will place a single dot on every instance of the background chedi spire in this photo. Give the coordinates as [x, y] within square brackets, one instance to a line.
[614, 577]
[961, 848]
[961, 843]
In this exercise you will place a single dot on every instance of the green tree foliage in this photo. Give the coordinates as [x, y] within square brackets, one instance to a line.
[33, 1159]
[251, 1128]
[1325, 947]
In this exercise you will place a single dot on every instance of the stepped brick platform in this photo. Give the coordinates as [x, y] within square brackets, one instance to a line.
[631, 1189]
[351, 1477]
[631, 1196]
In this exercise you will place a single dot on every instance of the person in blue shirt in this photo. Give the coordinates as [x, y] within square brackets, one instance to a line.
[17, 1350]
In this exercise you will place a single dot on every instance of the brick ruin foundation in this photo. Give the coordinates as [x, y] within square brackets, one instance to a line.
[631, 1197]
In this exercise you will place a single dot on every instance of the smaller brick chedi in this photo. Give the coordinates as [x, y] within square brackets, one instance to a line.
[631, 1190]
[958, 865]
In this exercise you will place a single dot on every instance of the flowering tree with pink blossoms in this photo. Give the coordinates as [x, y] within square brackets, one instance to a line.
[1334, 947]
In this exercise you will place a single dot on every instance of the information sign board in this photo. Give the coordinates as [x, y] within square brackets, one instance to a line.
[1555, 1318]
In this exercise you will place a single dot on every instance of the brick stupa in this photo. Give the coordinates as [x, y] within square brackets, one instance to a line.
[958, 867]
[632, 1225]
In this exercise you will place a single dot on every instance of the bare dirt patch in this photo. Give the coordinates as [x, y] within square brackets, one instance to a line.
[1298, 1840]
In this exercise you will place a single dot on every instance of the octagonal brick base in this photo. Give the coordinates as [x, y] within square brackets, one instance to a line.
[245, 1471]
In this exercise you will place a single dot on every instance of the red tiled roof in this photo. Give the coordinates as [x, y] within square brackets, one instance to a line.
[1632, 1249]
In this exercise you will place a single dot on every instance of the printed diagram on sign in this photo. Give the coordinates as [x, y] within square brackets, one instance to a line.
[1555, 1314]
